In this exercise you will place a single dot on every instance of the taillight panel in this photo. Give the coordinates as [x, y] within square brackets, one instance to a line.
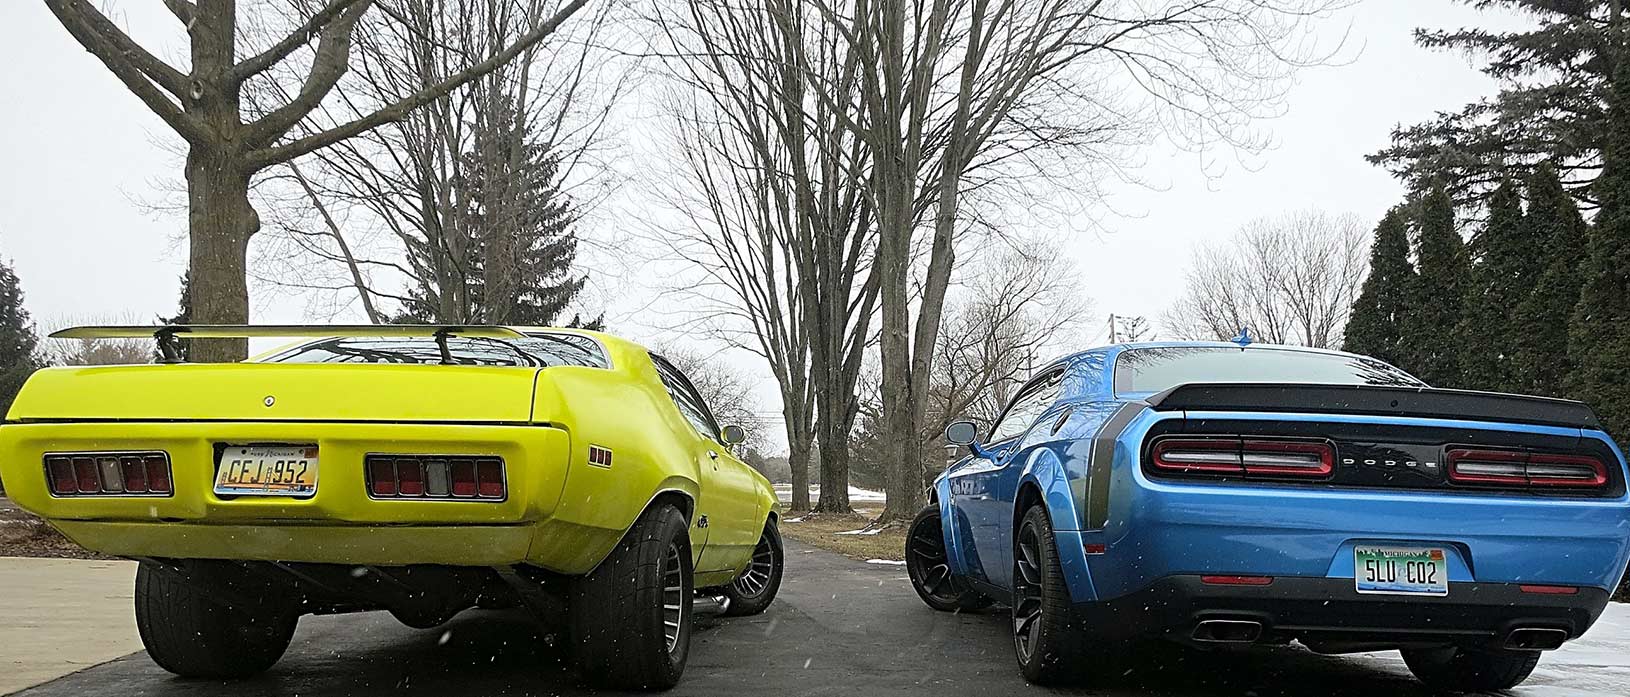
[118, 473]
[436, 477]
[1515, 468]
[1254, 457]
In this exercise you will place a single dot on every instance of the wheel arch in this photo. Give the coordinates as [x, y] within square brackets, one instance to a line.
[1046, 483]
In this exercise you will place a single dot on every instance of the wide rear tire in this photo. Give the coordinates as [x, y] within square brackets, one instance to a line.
[930, 568]
[1046, 638]
[753, 591]
[195, 631]
[631, 616]
[1454, 669]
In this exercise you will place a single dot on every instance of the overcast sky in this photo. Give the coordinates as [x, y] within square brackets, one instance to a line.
[82, 158]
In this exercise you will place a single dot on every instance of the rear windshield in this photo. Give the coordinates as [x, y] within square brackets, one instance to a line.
[1157, 369]
[534, 351]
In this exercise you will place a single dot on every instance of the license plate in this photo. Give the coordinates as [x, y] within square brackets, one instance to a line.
[267, 470]
[1400, 570]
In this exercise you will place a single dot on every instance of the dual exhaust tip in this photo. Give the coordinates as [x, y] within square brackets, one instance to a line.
[1249, 631]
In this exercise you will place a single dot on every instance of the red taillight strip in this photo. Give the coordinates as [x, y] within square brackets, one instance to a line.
[436, 477]
[1549, 590]
[1516, 468]
[1260, 457]
[1237, 580]
[111, 474]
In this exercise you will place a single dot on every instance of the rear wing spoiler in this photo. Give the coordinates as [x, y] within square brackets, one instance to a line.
[1424, 402]
[167, 334]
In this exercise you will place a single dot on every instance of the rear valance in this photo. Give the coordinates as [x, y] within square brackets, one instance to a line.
[1424, 402]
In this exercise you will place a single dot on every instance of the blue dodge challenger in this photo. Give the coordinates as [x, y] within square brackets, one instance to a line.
[1222, 494]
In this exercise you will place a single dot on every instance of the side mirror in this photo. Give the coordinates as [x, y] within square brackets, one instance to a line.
[962, 433]
[732, 434]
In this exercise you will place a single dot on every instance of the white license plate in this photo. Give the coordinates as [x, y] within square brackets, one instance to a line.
[267, 470]
[1400, 570]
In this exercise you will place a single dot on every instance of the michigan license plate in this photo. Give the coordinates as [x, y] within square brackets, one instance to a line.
[1400, 570]
[267, 470]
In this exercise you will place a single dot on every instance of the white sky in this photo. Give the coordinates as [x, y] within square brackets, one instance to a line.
[79, 155]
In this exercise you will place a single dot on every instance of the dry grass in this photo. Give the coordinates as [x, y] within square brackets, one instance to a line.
[820, 530]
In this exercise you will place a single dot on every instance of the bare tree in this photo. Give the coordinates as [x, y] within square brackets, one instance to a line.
[950, 87]
[1290, 279]
[93, 351]
[465, 201]
[727, 390]
[227, 144]
[776, 218]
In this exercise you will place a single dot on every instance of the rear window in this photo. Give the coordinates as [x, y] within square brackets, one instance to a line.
[1157, 369]
[534, 351]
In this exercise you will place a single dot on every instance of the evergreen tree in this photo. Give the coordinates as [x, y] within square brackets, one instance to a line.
[1375, 327]
[1504, 268]
[1600, 331]
[19, 346]
[183, 315]
[517, 234]
[1551, 106]
[1438, 300]
[1554, 232]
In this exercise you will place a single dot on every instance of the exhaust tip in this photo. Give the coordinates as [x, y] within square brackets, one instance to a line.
[1228, 631]
[1536, 638]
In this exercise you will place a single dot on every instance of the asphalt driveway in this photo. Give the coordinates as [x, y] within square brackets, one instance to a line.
[841, 627]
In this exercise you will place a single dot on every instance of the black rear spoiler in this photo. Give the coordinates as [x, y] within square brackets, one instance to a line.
[1425, 402]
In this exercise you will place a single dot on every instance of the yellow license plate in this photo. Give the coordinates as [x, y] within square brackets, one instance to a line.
[267, 470]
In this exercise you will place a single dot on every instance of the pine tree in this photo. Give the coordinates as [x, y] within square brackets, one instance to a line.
[183, 315]
[1504, 268]
[19, 346]
[1375, 327]
[1438, 300]
[1600, 331]
[519, 241]
[1554, 232]
[1554, 83]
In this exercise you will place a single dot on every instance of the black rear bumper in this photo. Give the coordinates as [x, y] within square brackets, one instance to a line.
[1327, 614]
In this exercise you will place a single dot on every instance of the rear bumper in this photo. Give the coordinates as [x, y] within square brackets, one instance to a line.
[1327, 613]
[456, 545]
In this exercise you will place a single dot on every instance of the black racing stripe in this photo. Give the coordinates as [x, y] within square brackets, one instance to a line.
[1103, 458]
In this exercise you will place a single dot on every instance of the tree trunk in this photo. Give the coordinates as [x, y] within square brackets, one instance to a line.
[834, 439]
[798, 462]
[220, 222]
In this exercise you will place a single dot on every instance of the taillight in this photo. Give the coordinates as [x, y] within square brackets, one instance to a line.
[1247, 457]
[1517, 468]
[108, 474]
[435, 477]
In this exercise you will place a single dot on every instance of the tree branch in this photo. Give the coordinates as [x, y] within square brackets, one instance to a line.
[265, 157]
[126, 60]
[299, 37]
[327, 67]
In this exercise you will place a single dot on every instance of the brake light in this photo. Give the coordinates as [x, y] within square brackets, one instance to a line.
[435, 477]
[1247, 457]
[1549, 590]
[1236, 580]
[1517, 468]
[108, 474]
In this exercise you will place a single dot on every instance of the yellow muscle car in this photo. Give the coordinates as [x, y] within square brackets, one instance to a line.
[421, 470]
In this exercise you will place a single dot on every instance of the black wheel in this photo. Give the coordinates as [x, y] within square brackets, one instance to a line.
[1045, 640]
[930, 570]
[631, 616]
[1454, 669]
[754, 590]
[191, 630]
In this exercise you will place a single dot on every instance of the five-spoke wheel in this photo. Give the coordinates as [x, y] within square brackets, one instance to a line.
[930, 569]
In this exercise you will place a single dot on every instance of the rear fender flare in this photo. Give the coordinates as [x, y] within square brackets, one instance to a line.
[1047, 476]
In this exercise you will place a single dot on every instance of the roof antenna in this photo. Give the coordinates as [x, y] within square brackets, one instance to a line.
[1244, 339]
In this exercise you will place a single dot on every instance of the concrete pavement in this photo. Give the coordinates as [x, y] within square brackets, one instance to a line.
[58, 616]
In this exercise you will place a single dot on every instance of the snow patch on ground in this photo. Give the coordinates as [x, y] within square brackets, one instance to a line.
[888, 562]
[862, 531]
[856, 494]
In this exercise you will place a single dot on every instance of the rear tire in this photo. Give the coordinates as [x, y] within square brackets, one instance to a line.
[930, 568]
[189, 629]
[631, 616]
[1470, 670]
[1046, 640]
[753, 591]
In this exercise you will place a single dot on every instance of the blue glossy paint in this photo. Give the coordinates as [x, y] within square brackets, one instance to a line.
[1160, 528]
